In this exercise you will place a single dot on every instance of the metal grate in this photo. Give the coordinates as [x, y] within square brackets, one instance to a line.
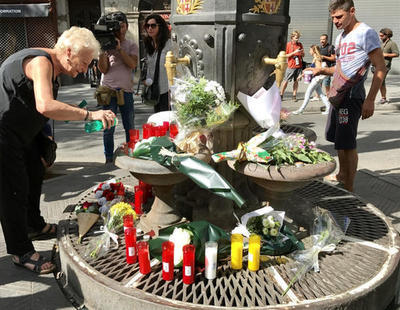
[12, 38]
[350, 266]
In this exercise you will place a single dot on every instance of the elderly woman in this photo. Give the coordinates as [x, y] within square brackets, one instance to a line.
[28, 88]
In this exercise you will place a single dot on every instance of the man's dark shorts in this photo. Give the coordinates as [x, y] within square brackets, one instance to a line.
[341, 128]
[292, 73]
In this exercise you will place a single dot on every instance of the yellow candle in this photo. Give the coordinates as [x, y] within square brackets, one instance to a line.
[254, 252]
[236, 251]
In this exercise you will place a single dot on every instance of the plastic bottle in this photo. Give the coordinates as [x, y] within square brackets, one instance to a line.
[94, 126]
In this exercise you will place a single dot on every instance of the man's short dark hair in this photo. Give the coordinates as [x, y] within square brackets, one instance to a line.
[344, 5]
[324, 35]
[387, 31]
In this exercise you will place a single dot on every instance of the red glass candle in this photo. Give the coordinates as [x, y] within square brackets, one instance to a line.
[139, 201]
[167, 260]
[173, 130]
[131, 147]
[130, 244]
[144, 257]
[188, 263]
[166, 125]
[136, 135]
[143, 187]
[128, 221]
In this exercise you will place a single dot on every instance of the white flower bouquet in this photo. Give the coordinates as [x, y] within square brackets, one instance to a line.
[199, 106]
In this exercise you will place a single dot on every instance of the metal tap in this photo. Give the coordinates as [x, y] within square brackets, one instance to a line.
[280, 64]
[170, 65]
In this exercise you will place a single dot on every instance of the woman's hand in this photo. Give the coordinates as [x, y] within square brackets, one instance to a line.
[105, 116]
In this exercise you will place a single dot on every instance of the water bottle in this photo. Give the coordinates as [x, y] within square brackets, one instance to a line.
[94, 126]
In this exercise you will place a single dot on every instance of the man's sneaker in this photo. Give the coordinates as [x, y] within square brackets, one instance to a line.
[322, 109]
[383, 101]
[325, 112]
[297, 112]
[314, 99]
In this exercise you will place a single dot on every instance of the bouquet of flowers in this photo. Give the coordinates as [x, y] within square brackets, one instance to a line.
[326, 234]
[273, 147]
[87, 215]
[113, 224]
[294, 148]
[276, 237]
[199, 105]
[109, 193]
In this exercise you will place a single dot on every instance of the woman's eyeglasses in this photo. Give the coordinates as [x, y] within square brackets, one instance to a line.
[152, 26]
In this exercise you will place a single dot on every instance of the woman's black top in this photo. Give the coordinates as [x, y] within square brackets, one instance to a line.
[20, 122]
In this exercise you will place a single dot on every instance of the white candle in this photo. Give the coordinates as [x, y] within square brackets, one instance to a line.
[211, 259]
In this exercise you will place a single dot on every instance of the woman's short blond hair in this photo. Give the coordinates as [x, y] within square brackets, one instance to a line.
[295, 33]
[77, 39]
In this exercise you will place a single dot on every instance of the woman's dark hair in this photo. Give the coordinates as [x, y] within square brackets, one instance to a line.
[162, 37]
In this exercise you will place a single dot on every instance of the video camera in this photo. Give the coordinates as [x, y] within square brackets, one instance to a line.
[106, 28]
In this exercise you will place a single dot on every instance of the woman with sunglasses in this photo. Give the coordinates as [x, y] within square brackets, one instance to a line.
[157, 42]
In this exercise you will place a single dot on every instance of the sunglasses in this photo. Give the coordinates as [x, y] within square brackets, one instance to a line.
[152, 26]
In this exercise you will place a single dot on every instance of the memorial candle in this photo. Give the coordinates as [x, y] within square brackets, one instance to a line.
[168, 260]
[138, 201]
[128, 221]
[188, 263]
[130, 244]
[144, 257]
[211, 253]
[254, 252]
[236, 251]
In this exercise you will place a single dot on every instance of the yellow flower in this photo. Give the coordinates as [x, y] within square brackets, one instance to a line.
[121, 209]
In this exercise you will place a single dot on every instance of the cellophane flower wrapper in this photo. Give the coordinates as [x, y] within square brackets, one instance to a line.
[199, 106]
[281, 242]
[327, 231]
[113, 224]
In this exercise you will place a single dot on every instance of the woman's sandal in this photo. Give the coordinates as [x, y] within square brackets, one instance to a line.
[50, 233]
[332, 179]
[37, 264]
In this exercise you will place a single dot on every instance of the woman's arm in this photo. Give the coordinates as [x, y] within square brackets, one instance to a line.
[40, 71]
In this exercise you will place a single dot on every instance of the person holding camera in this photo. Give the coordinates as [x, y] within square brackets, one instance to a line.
[295, 54]
[116, 66]
[28, 91]
[157, 44]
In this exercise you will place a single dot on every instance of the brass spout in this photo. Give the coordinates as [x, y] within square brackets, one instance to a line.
[280, 64]
[170, 65]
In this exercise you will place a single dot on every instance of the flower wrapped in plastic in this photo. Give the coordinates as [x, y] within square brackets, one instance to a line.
[113, 224]
[199, 106]
[326, 234]
[273, 147]
[276, 237]
[87, 215]
[109, 193]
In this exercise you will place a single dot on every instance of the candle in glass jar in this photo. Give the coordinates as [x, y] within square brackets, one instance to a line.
[144, 257]
[128, 221]
[211, 253]
[236, 251]
[188, 263]
[130, 244]
[138, 201]
[167, 260]
[254, 252]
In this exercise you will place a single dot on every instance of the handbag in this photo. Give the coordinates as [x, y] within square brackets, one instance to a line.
[151, 93]
[341, 84]
[47, 149]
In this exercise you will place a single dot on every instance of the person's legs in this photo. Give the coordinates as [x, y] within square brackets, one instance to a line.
[108, 134]
[295, 88]
[163, 104]
[14, 189]
[324, 98]
[284, 85]
[36, 171]
[310, 89]
[348, 161]
[342, 130]
[127, 114]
